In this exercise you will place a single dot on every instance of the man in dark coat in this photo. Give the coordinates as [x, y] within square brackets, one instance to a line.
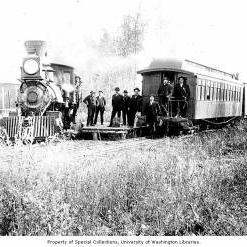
[90, 101]
[126, 104]
[135, 106]
[100, 107]
[182, 96]
[152, 112]
[164, 93]
[117, 105]
[77, 97]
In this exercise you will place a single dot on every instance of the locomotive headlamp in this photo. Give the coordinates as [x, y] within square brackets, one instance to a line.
[31, 66]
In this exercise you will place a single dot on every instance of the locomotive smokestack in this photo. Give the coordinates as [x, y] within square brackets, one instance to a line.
[37, 47]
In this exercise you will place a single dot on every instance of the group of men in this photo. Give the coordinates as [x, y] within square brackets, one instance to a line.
[129, 106]
[173, 101]
[95, 106]
[121, 105]
[174, 97]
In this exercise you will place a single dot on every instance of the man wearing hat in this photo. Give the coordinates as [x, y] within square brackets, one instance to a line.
[135, 106]
[117, 105]
[126, 104]
[77, 96]
[100, 107]
[152, 111]
[90, 101]
[182, 96]
[164, 93]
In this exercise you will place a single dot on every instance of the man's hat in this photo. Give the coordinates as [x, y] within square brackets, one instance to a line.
[100, 91]
[125, 91]
[92, 91]
[137, 89]
[117, 89]
[185, 79]
[78, 78]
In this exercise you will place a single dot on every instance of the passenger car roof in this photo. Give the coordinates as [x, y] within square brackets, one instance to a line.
[160, 64]
[185, 66]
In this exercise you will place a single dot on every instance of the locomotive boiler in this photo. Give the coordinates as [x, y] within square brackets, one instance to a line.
[45, 98]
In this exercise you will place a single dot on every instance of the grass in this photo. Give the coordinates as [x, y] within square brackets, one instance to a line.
[182, 186]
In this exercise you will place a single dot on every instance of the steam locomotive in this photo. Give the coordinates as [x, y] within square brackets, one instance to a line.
[46, 97]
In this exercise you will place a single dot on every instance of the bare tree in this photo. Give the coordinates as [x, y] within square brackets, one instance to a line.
[131, 36]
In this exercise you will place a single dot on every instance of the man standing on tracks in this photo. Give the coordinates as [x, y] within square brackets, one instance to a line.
[126, 104]
[135, 106]
[117, 105]
[152, 112]
[182, 96]
[164, 93]
[77, 97]
[90, 101]
[100, 107]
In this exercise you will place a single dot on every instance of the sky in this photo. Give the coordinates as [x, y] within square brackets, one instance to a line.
[211, 32]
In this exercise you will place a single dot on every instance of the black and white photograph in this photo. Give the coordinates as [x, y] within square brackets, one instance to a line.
[123, 123]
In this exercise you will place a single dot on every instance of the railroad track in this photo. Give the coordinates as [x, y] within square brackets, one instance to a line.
[107, 149]
[100, 148]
